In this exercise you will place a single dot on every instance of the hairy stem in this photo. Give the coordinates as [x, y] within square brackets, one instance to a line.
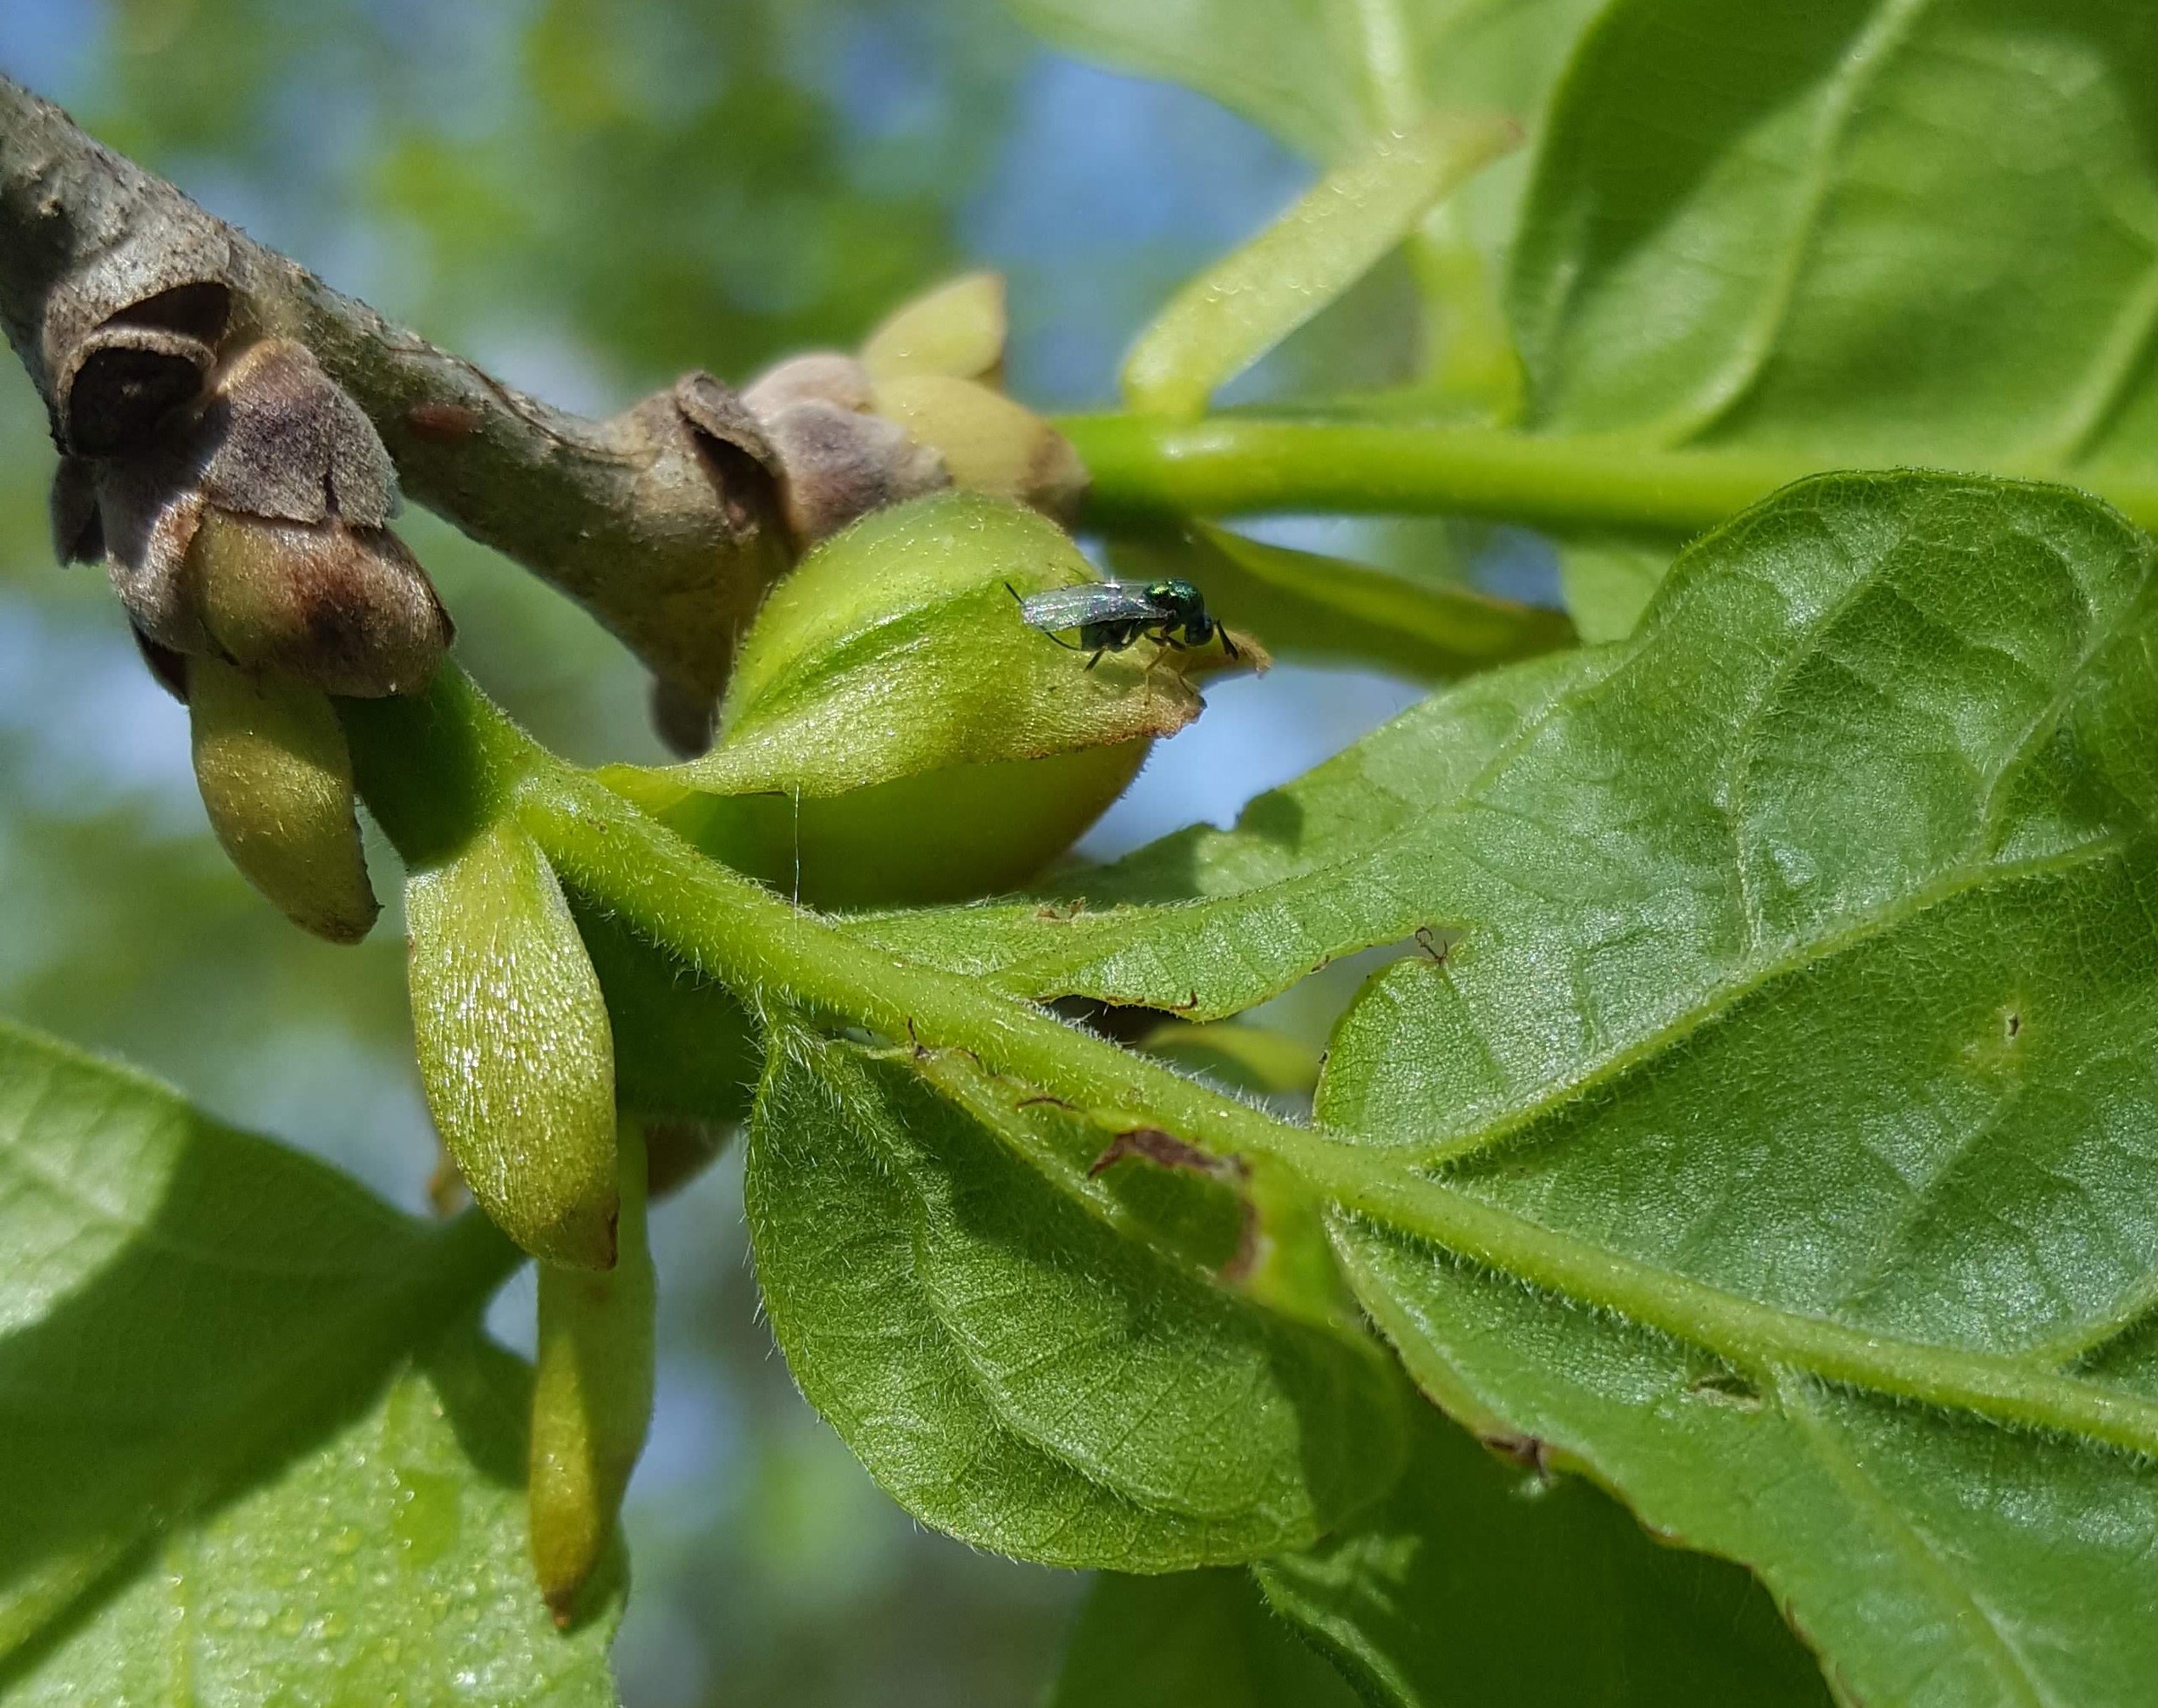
[771, 952]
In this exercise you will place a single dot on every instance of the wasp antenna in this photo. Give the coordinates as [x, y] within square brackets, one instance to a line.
[1016, 599]
[1228, 645]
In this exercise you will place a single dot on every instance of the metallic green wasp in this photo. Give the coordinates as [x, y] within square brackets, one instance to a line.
[1111, 615]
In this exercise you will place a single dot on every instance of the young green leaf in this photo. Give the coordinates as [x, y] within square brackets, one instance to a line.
[591, 1395]
[514, 1047]
[1194, 1639]
[1329, 610]
[1330, 79]
[276, 779]
[1447, 1594]
[257, 1451]
[1015, 1369]
[1233, 314]
[1609, 579]
[1232, 1053]
[956, 329]
[1289, 889]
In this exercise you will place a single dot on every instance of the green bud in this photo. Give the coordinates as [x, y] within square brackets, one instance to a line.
[989, 444]
[895, 731]
[591, 1395]
[957, 329]
[275, 777]
[515, 1048]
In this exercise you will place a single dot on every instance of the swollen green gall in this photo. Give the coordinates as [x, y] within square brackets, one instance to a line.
[897, 730]
[591, 1395]
[515, 1048]
[275, 777]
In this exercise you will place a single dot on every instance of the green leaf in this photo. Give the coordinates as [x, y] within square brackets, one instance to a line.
[1774, 228]
[1855, 234]
[1224, 319]
[1040, 1364]
[1609, 579]
[1312, 871]
[1789, 1033]
[1306, 605]
[1441, 1596]
[256, 1449]
[1331, 80]
[1194, 1639]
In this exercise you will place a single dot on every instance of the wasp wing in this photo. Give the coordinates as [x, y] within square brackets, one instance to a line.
[1095, 601]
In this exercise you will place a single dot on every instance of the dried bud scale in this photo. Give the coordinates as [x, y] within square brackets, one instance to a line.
[917, 411]
[841, 466]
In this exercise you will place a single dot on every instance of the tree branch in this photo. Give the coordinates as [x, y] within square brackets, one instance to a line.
[664, 521]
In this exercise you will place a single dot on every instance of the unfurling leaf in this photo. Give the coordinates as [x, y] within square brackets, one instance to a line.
[275, 777]
[1233, 314]
[1044, 1366]
[592, 1395]
[956, 328]
[891, 702]
[514, 1047]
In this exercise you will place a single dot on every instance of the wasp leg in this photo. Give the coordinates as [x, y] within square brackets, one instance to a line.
[1097, 659]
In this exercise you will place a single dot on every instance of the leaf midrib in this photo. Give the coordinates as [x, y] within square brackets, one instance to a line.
[1754, 1337]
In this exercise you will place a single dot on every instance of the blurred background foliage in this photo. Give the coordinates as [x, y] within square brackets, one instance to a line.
[588, 196]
